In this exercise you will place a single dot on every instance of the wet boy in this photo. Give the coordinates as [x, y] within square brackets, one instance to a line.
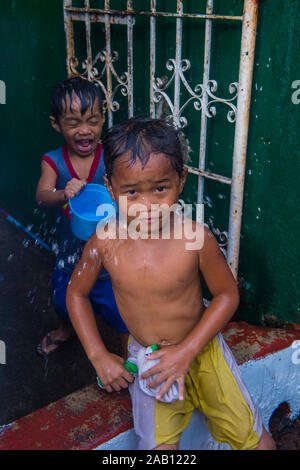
[77, 113]
[157, 287]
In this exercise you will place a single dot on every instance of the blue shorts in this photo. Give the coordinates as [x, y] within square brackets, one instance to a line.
[101, 297]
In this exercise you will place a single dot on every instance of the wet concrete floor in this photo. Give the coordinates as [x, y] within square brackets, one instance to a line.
[28, 382]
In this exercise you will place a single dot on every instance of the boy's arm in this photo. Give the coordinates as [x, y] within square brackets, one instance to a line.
[225, 295]
[175, 360]
[46, 193]
[108, 366]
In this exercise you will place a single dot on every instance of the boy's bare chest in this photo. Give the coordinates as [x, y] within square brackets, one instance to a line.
[158, 267]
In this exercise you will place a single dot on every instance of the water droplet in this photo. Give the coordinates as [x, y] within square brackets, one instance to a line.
[25, 242]
[208, 201]
[94, 253]
[61, 263]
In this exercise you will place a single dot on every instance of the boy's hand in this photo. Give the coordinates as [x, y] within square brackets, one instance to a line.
[173, 367]
[73, 187]
[112, 374]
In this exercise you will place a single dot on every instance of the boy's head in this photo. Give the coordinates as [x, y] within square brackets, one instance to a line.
[77, 112]
[89, 95]
[144, 160]
[141, 136]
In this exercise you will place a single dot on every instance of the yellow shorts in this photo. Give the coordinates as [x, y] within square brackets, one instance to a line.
[214, 386]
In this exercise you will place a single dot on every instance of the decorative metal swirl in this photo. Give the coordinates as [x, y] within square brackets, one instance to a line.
[197, 94]
[91, 72]
[211, 88]
[223, 240]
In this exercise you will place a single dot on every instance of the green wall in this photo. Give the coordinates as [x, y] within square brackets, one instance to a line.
[33, 60]
[270, 246]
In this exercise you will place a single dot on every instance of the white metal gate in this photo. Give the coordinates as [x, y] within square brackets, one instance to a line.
[100, 68]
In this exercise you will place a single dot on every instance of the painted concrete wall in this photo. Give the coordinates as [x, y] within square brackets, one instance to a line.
[270, 245]
[33, 60]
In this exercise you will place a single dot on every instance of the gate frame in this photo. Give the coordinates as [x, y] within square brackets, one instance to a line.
[200, 94]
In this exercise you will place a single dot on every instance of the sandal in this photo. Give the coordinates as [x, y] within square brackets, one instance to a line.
[49, 341]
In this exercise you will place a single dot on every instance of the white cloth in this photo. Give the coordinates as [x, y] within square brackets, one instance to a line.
[143, 365]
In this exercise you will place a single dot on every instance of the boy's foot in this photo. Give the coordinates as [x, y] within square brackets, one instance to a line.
[54, 340]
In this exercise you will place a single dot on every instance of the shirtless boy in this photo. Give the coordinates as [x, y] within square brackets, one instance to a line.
[157, 286]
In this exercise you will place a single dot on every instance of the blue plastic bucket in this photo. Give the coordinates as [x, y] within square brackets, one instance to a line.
[84, 208]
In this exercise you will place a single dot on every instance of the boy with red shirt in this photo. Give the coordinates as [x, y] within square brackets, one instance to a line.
[77, 113]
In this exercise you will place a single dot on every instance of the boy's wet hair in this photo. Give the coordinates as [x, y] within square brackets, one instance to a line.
[86, 91]
[141, 136]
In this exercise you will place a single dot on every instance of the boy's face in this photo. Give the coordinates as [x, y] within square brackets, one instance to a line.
[81, 132]
[155, 184]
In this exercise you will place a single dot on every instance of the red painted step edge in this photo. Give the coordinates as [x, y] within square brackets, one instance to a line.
[249, 342]
[90, 417]
[82, 420]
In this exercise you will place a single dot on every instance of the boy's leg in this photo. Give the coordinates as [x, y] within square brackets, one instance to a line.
[230, 413]
[157, 425]
[103, 302]
[266, 442]
[168, 447]
[54, 339]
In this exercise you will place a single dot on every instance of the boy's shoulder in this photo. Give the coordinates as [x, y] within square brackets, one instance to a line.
[98, 248]
[196, 235]
[55, 159]
[54, 153]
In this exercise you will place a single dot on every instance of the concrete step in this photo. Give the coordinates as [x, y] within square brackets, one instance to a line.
[269, 359]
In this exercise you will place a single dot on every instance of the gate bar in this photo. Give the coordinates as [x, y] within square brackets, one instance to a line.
[203, 129]
[241, 132]
[97, 11]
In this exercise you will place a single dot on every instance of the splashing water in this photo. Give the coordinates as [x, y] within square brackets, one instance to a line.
[60, 264]
[46, 368]
[25, 242]
[94, 253]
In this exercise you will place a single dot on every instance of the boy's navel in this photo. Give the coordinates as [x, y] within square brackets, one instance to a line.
[164, 342]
